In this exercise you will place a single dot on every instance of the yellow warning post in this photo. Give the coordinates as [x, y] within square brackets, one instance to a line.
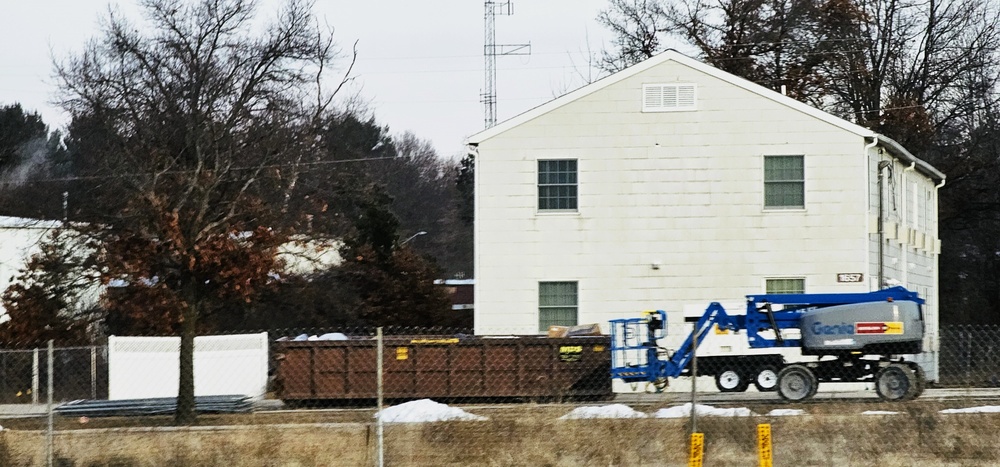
[697, 450]
[764, 444]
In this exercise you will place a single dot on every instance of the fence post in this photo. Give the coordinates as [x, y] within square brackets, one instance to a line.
[34, 377]
[378, 374]
[93, 372]
[48, 432]
[694, 379]
[765, 449]
[967, 344]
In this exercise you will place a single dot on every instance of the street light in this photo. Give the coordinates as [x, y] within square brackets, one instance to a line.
[411, 237]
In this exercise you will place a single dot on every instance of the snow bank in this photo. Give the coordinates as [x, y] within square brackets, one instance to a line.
[606, 411]
[424, 410]
[879, 412]
[983, 409]
[702, 410]
[330, 336]
[785, 412]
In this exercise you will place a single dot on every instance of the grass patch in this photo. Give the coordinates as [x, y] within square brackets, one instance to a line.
[833, 434]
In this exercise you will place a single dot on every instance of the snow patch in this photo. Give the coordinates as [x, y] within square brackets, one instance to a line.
[424, 410]
[333, 336]
[879, 412]
[606, 411]
[785, 412]
[983, 409]
[702, 410]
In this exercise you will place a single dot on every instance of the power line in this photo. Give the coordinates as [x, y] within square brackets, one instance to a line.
[180, 172]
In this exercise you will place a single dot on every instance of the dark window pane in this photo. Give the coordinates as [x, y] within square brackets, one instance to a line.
[557, 184]
[557, 304]
[784, 181]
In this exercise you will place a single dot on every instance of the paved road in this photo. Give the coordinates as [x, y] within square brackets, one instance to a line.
[990, 395]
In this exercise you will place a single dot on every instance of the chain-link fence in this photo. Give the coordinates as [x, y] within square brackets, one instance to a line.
[509, 400]
[970, 356]
[79, 373]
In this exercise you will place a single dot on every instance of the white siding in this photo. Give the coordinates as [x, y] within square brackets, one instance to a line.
[682, 189]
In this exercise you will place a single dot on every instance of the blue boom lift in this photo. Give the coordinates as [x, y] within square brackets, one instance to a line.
[854, 337]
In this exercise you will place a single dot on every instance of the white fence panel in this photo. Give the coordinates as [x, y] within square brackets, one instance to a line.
[143, 367]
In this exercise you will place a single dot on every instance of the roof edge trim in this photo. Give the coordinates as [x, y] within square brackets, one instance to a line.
[899, 151]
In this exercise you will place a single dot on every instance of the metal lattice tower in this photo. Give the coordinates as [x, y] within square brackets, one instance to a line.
[490, 52]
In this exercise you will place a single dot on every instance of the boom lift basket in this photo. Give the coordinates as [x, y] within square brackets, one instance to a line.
[634, 352]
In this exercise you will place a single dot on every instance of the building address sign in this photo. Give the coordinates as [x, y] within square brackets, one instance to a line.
[850, 277]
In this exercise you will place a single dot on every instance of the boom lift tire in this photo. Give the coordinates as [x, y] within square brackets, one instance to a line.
[766, 379]
[731, 380]
[796, 383]
[921, 379]
[896, 382]
[814, 389]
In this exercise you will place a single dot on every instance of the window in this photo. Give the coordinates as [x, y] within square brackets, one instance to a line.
[557, 304]
[791, 285]
[784, 182]
[557, 184]
[668, 97]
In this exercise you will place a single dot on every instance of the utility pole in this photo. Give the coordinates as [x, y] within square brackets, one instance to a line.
[490, 52]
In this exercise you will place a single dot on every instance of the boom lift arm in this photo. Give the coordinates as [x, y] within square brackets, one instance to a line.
[635, 355]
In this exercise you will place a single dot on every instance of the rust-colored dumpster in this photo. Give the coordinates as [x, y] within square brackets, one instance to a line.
[446, 367]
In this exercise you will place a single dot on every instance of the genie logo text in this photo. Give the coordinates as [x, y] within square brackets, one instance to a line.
[821, 329]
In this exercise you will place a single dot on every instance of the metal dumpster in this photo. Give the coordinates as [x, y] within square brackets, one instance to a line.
[446, 367]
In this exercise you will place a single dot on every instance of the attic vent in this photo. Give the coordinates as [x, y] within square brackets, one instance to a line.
[668, 97]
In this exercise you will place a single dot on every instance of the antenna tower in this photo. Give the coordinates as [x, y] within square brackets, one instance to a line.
[491, 50]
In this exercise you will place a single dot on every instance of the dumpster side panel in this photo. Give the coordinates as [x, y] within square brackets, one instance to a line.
[296, 374]
[330, 370]
[523, 367]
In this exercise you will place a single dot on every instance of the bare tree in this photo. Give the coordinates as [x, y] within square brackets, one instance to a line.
[779, 44]
[191, 135]
[637, 26]
[901, 61]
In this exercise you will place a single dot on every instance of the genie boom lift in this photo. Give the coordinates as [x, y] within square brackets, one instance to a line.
[854, 337]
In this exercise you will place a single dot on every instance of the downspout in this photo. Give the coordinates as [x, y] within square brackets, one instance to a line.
[882, 165]
[473, 150]
[935, 343]
[904, 249]
[868, 148]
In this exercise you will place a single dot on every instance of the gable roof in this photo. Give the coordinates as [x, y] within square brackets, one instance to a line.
[672, 55]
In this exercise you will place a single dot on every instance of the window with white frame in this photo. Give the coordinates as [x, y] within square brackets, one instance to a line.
[557, 304]
[557, 187]
[668, 97]
[784, 182]
[785, 285]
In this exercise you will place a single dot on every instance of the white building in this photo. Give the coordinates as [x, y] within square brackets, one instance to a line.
[19, 240]
[674, 183]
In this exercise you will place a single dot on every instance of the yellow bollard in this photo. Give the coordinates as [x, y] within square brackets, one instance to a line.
[697, 450]
[764, 454]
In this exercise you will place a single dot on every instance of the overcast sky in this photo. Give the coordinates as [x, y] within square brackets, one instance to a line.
[420, 63]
